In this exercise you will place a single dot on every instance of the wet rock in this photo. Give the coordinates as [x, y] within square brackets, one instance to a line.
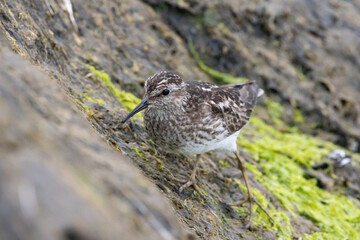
[302, 226]
[58, 180]
[304, 53]
[337, 172]
[286, 46]
[348, 177]
[322, 180]
[340, 158]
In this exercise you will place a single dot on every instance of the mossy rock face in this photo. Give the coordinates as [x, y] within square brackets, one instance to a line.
[58, 178]
[282, 159]
[270, 42]
[104, 64]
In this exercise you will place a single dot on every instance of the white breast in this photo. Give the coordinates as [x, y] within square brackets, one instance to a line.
[225, 144]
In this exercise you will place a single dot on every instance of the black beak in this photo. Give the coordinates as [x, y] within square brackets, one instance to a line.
[142, 105]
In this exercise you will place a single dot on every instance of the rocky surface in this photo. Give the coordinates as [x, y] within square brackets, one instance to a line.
[58, 178]
[66, 181]
[304, 53]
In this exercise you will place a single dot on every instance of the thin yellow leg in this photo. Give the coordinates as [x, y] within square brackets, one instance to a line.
[251, 199]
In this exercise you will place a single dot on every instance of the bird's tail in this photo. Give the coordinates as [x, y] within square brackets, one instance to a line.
[260, 92]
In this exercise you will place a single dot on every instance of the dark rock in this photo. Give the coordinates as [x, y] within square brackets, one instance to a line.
[306, 52]
[294, 49]
[57, 179]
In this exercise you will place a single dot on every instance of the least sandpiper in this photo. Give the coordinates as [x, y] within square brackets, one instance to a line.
[197, 117]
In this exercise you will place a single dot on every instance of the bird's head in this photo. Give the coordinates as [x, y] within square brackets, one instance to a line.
[163, 90]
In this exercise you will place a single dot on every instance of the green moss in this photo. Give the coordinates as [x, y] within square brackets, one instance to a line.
[223, 164]
[159, 164]
[210, 17]
[141, 154]
[280, 226]
[241, 211]
[138, 153]
[298, 118]
[202, 191]
[213, 200]
[224, 30]
[275, 111]
[151, 142]
[96, 100]
[282, 158]
[221, 78]
[127, 100]
[224, 219]
[14, 45]
[8, 35]
[300, 74]
[86, 109]
[12, 39]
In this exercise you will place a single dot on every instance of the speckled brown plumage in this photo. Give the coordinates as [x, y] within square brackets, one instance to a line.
[195, 113]
[197, 117]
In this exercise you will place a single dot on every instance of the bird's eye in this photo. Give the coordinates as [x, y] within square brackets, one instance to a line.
[165, 92]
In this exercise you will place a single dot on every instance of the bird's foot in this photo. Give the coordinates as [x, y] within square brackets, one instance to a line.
[188, 183]
[251, 199]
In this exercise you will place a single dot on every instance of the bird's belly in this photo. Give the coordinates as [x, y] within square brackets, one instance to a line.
[218, 144]
[189, 139]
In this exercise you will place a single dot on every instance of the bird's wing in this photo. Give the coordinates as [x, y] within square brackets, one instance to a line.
[234, 104]
[228, 105]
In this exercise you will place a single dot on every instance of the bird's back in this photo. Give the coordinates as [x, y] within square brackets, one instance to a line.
[211, 119]
[231, 104]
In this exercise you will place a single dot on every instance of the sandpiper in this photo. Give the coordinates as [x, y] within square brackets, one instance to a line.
[197, 117]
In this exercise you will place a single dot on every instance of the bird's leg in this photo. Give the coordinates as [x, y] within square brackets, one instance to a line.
[251, 199]
[192, 180]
